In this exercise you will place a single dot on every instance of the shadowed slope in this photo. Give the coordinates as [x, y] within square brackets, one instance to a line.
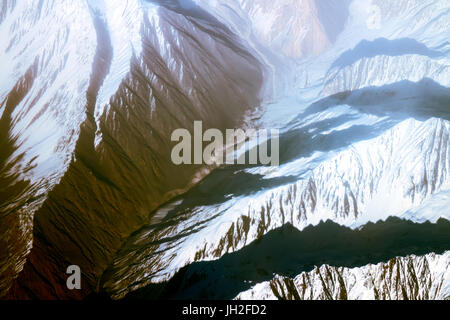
[287, 251]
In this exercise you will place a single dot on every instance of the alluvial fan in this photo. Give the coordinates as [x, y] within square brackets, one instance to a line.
[92, 90]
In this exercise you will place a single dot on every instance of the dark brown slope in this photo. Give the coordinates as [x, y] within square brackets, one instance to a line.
[16, 192]
[109, 191]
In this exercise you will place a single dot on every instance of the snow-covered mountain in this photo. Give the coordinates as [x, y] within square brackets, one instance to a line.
[367, 139]
[394, 174]
[91, 91]
[409, 278]
[91, 103]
